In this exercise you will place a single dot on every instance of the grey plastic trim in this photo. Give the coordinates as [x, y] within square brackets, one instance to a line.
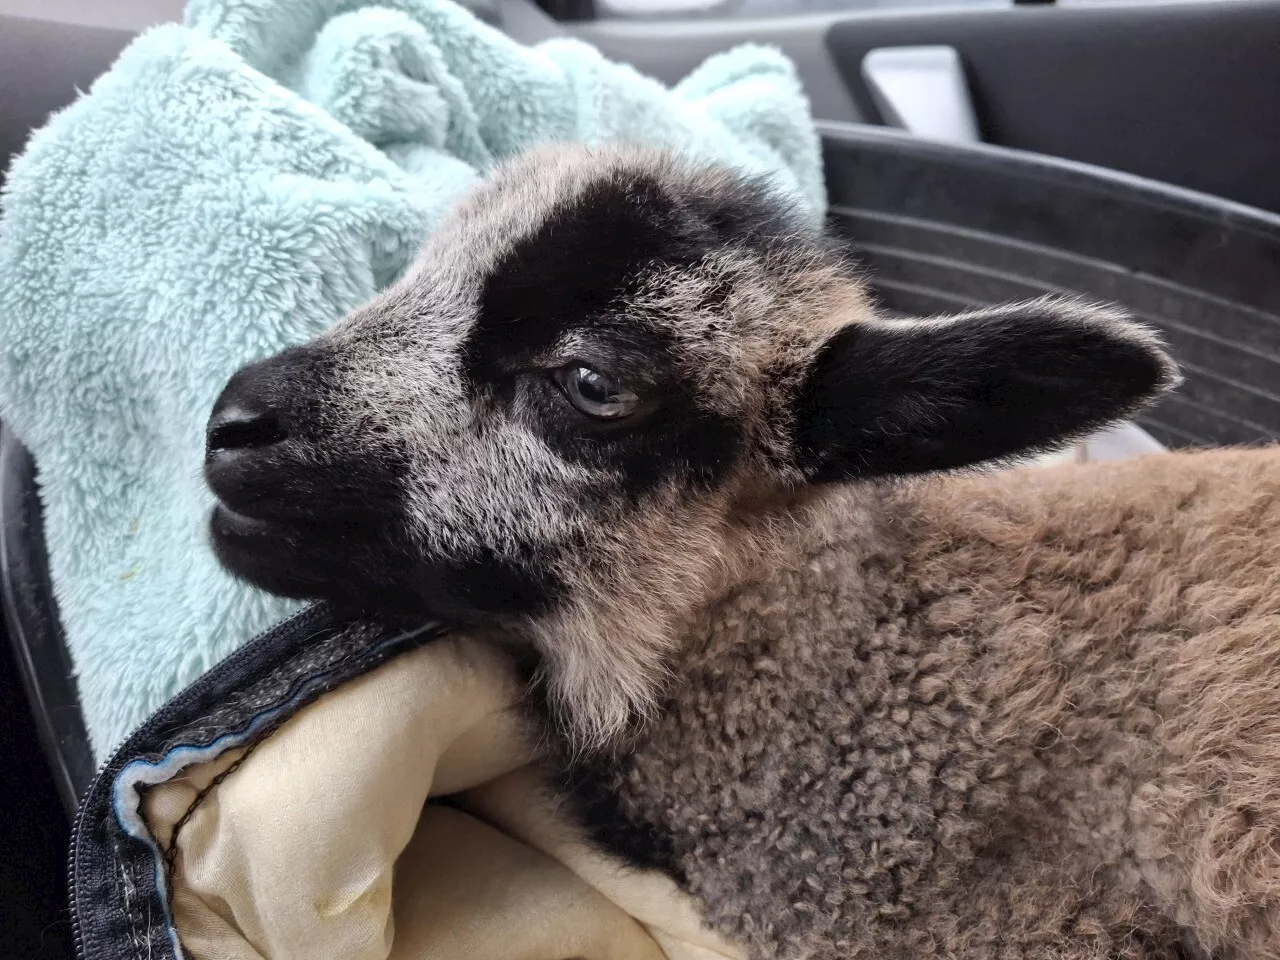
[671, 49]
[43, 64]
[922, 90]
[131, 15]
[521, 20]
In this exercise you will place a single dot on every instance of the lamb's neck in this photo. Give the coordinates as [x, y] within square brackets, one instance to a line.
[803, 684]
[610, 655]
[850, 543]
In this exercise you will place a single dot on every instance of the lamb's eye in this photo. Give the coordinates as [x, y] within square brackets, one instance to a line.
[595, 394]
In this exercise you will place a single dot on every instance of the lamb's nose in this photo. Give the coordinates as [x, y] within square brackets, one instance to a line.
[236, 427]
[247, 416]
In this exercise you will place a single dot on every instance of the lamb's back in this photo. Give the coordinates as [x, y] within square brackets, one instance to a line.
[1131, 613]
[1002, 720]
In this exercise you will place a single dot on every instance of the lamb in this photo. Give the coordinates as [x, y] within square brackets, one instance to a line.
[630, 419]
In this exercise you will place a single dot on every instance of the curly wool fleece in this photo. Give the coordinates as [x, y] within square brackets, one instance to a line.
[1034, 715]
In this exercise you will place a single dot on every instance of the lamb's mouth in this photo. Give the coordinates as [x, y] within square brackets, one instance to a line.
[228, 523]
[294, 558]
[352, 563]
[264, 553]
[360, 568]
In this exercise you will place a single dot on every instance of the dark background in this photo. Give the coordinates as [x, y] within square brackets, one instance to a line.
[35, 923]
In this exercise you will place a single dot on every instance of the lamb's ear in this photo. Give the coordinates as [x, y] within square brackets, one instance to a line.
[888, 397]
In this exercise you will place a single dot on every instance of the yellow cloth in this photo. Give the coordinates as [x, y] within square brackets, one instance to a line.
[318, 843]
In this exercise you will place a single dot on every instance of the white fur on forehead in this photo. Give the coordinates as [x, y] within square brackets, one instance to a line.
[779, 308]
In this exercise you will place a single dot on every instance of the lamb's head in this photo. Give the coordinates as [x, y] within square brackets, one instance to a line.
[608, 372]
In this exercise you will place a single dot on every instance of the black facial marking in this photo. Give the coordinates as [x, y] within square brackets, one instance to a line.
[577, 272]
[585, 258]
[478, 588]
[592, 251]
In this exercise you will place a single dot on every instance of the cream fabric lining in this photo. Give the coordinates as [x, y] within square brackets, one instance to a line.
[317, 844]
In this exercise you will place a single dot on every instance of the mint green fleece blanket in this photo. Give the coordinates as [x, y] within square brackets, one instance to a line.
[234, 185]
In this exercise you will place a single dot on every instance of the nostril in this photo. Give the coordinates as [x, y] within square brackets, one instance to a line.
[238, 429]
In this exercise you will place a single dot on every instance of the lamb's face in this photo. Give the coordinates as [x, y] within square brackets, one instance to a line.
[589, 339]
[600, 366]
